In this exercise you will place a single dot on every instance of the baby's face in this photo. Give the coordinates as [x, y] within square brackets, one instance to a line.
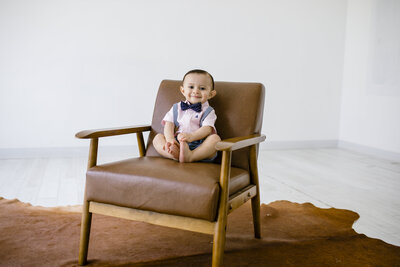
[197, 88]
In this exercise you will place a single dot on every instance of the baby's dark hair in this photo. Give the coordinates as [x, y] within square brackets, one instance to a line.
[198, 71]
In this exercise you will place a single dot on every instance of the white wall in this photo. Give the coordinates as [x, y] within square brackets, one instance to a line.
[72, 65]
[370, 110]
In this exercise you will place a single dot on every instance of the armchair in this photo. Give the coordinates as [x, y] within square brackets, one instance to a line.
[191, 196]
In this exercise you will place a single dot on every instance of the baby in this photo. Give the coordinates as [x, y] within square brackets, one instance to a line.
[196, 136]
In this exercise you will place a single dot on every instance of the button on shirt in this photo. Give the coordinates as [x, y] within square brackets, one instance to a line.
[189, 120]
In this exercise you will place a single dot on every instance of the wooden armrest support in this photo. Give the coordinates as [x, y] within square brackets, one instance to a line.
[236, 143]
[112, 131]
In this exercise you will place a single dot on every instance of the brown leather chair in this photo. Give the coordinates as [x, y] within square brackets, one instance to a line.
[191, 196]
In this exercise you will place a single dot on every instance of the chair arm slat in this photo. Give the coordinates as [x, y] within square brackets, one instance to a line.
[236, 143]
[112, 131]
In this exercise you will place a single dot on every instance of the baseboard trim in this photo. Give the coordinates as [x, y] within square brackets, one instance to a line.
[132, 150]
[65, 152]
[380, 153]
[83, 151]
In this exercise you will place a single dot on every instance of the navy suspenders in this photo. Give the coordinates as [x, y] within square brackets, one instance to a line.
[175, 112]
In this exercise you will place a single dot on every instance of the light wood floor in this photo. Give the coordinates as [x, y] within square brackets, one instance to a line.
[325, 177]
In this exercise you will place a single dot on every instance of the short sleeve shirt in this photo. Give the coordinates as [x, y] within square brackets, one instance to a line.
[189, 120]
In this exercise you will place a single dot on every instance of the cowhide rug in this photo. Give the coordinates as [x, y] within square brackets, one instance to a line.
[292, 235]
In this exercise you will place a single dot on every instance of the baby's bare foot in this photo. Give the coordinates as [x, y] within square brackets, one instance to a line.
[174, 151]
[185, 153]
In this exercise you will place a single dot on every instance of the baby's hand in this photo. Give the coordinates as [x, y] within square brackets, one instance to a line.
[185, 137]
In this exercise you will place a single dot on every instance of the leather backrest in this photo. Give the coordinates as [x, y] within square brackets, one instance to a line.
[239, 108]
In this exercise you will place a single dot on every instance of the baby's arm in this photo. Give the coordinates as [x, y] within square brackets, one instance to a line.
[201, 133]
[169, 129]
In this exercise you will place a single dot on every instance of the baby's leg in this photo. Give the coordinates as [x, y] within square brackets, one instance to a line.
[204, 151]
[164, 148]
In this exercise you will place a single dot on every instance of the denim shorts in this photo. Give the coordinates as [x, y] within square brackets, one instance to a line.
[195, 144]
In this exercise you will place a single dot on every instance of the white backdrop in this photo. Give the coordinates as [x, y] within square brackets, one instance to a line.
[371, 82]
[72, 65]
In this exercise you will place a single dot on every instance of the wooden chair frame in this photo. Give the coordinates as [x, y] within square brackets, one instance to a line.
[226, 203]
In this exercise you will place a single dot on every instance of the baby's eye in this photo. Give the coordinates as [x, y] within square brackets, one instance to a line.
[191, 86]
[202, 88]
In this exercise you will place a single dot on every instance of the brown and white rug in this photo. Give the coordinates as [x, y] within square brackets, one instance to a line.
[292, 235]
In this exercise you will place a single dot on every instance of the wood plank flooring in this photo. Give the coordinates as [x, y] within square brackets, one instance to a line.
[340, 179]
[325, 177]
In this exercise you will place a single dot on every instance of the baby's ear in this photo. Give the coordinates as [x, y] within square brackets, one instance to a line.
[212, 94]
[181, 89]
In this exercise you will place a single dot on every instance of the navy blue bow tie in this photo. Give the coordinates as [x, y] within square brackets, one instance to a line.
[196, 107]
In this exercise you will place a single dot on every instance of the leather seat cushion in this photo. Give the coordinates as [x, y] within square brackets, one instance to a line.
[162, 185]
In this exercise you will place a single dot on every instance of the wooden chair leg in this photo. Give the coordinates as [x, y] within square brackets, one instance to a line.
[86, 215]
[219, 242]
[85, 233]
[255, 206]
[255, 201]
[220, 227]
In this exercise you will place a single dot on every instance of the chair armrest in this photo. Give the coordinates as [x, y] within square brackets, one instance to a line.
[236, 143]
[112, 131]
